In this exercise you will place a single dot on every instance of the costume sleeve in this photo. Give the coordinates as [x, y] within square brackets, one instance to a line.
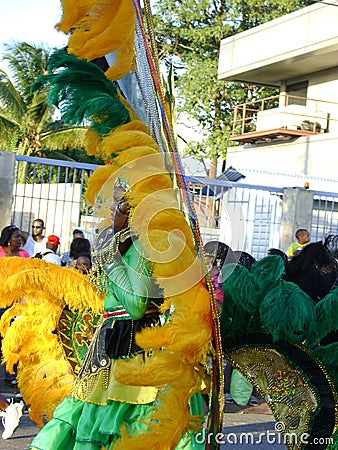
[130, 281]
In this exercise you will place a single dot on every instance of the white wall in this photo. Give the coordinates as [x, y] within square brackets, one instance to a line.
[324, 86]
[310, 156]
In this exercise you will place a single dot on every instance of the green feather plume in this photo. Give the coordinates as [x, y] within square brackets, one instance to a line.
[240, 287]
[326, 315]
[287, 312]
[82, 92]
[267, 271]
[261, 301]
[246, 288]
[234, 319]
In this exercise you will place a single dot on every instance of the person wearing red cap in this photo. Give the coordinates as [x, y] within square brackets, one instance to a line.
[50, 255]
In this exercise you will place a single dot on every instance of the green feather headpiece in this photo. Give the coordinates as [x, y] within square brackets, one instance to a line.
[82, 93]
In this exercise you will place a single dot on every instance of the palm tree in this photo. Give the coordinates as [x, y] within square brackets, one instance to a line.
[27, 123]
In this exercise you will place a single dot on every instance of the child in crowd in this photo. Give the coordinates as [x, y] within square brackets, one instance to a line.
[303, 238]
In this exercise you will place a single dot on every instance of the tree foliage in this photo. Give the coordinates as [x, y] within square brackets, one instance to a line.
[188, 35]
[27, 121]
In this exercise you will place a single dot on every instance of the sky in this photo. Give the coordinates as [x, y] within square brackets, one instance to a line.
[31, 21]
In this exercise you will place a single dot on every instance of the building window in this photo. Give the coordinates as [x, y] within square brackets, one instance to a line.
[297, 90]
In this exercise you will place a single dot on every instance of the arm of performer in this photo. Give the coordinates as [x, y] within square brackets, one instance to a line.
[130, 280]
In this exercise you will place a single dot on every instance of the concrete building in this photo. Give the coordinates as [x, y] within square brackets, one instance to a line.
[293, 136]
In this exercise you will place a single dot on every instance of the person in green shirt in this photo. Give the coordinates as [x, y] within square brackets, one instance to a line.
[303, 238]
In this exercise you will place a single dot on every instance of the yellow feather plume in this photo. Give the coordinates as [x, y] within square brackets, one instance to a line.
[120, 140]
[61, 284]
[44, 375]
[168, 426]
[71, 14]
[97, 181]
[93, 142]
[100, 27]
[124, 59]
[133, 125]
[37, 293]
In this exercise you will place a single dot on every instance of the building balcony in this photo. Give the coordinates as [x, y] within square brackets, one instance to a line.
[282, 117]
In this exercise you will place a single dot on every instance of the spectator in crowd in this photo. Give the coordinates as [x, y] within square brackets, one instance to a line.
[78, 234]
[79, 247]
[66, 259]
[83, 263]
[303, 238]
[216, 254]
[50, 255]
[35, 242]
[10, 243]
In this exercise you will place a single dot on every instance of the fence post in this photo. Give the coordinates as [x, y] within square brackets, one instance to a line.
[296, 213]
[7, 166]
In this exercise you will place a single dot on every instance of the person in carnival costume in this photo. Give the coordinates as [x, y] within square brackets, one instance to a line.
[100, 407]
[135, 382]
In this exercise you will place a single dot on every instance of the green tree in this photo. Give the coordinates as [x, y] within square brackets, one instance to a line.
[188, 35]
[27, 123]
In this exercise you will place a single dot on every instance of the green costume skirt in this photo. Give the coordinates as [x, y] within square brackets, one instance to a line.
[92, 417]
[79, 425]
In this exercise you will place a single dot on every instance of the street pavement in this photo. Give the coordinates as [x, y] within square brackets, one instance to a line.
[243, 429]
[250, 427]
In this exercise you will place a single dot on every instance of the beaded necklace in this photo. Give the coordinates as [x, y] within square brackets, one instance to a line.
[107, 252]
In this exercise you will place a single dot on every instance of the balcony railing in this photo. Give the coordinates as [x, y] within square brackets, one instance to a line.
[283, 117]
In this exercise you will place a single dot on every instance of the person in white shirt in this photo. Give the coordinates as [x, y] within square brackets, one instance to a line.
[49, 255]
[36, 242]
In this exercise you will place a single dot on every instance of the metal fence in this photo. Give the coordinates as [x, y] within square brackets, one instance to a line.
[246, 217]
[53, 191]
[324, 215]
